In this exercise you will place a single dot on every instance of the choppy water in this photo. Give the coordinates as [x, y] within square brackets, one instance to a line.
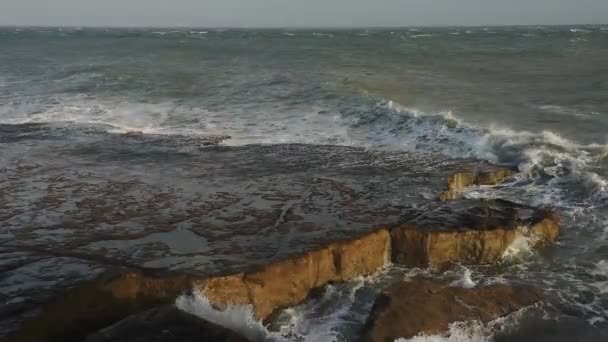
[536, 97]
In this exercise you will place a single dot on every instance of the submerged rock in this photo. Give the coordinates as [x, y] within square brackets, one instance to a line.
[407, 309]
[166, 324]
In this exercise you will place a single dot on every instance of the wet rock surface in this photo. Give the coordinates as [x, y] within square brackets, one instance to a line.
[408, 309]
[166, 324]
[79, 202]
[470, 232]
[87, 203]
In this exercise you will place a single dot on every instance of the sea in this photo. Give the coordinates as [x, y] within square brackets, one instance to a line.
[534, 97]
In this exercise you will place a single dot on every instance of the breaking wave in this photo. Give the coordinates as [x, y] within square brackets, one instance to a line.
[328, 317]
[544, 158]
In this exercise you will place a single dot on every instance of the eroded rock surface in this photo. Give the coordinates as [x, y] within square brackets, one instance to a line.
[408, 309]
[72, 211]
[289, 282]
[461, 232]
[470, 232]
[486, 175]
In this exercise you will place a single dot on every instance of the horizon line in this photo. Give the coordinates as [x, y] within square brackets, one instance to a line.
[335, 27]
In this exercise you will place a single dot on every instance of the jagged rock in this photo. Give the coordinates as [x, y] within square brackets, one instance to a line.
[408, 309]
[484, 175]
[166, 324]
[470, 232]
[274, 286]
[218, 210]
[289, 282]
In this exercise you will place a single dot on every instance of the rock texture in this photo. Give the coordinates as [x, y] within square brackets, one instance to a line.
[484, 175]
[470, 232]
[408, 309]
[158, 204]
[287, 283]
[162, 203]
[166, 324]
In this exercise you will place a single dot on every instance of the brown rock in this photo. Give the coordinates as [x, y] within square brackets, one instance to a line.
[165, 324]
[422, 307]
[470, 232]
[289, 282]
[363, 256]
[487, 175]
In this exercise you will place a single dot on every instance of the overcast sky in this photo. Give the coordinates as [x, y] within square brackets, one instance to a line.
[284, 13]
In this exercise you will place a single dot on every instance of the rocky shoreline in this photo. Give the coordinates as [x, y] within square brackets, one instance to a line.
[361, 212]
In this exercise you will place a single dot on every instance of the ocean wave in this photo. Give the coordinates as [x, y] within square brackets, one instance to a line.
[317, 34]
[323, 319]
[577, 30]
[546, 158]
[239, 319]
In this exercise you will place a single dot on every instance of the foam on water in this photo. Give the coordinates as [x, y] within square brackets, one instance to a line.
[239, 319]
[543, 157]
[326, 318]
[466, 281]
[520, 248]
[473, 331]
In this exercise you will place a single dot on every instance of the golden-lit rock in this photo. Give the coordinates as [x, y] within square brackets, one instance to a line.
[288, 282]
[487, 175]
[470, 232]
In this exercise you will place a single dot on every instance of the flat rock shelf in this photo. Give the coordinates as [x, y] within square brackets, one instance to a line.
[123, 224]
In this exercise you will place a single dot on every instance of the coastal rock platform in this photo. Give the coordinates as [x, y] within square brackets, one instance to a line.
[106, 228]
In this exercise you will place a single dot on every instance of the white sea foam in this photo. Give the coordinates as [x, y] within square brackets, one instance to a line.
[472, 331]
[577, 30]
[317, 320]
[519, 248]
[317, 34]
[459, 332]
[466, 280]
[239, 319]
[541, 156]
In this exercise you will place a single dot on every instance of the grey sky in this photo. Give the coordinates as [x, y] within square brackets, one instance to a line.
[283, 13]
